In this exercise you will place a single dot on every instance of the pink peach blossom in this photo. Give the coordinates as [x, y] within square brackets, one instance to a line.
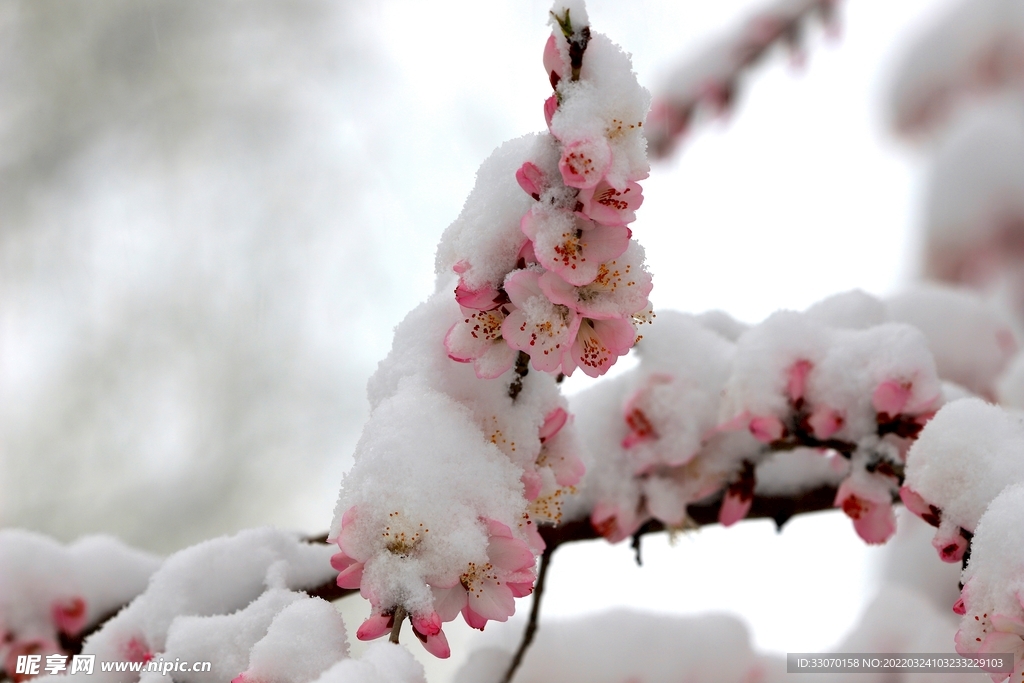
[611, 206]
[872, 515]
[543, 329]
[585, 161]
[487, 592]
[598, 344]
[69, 615]
[531, 179]
[477, 339]
[825, 421]
[571, 245]
[619, 289]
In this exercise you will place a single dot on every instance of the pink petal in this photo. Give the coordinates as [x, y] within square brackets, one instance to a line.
[734, 508]
[483, 299]
[553, 423]
[428, 625]
[874, 522]
[531, 179]
[495, 362]
[352, 576]
[492, 600]
[950, 544]
[436, 645]
[599, 343]
[767, 429]
[550, 107]
[959, 607]
[509, 553]
[610, 206]
[919, 506]
[824, 422]
[532, 484]
[448, 602]
[69, 615]
[521, 286]
[584, 162]
[497, 529]
[797, 379]
[890, 397]
[341, 561]
[553, 64]
[520, 590]
[375, 626]
[1007, 624]
[473, 619]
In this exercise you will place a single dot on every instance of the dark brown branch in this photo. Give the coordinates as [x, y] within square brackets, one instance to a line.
[779, 509]
[396, 628]
[522, 369]
[531, 625]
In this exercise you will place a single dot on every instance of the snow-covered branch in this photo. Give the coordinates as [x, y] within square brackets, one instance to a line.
[706, 84]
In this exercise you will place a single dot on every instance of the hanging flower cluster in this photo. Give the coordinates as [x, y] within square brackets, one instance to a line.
[577, 288]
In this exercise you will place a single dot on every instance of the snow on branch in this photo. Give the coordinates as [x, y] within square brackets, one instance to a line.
[708, 82]
[977, 47]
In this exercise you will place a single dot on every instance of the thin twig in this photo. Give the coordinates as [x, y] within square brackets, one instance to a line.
[522, 369]
[396, 628]
[531, 626]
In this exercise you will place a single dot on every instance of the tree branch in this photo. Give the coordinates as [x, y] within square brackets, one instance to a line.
[531, 625]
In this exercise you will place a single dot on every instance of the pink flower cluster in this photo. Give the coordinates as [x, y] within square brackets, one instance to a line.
[791, 383]
[482, 592]
[579, 288]
[67, 618]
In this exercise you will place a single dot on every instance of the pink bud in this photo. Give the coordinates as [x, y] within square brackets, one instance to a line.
[767, 429]
[531, 179]
[824, 422]
[375, 626]
[797, 381]
[958, 607]
[890, 397]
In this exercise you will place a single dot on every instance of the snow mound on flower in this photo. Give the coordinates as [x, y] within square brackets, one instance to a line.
[217, 577]
[627, 645]
[303, 641]
[416, 352]
[974, 46]
[994, 579]
[968, 453]
[424, 469]
[972, 342]
[92, 577]
[224, 640]
[855, 310]
[486, 235]
[789, 473]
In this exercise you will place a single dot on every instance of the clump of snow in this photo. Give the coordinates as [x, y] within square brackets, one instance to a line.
[993, 595]
[964, 457]
[216, 577]
[48, 590]
[971, 341]
[705, 82]
[975, 46]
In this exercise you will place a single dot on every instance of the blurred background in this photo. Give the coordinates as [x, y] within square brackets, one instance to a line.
[213, 214]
